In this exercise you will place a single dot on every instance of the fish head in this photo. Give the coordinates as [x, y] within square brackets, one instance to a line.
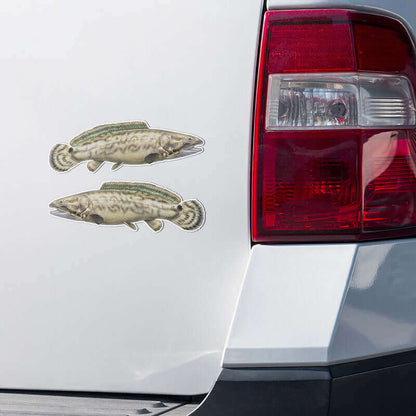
[74, 206]
[191, 141]
[185, 144]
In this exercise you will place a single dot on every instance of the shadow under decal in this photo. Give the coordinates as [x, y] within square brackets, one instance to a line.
[129, 202]
[132, 143]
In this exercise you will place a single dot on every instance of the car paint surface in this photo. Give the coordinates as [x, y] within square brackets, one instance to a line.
[102, 308]
[322, 304]
[91, 309]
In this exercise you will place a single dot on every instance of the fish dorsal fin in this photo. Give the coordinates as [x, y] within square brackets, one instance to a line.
[91, 135]
[147, 190]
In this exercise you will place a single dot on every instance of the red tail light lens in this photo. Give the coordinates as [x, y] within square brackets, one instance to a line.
[389, 180]
[310, 183]
[334, 151]
[328, 47]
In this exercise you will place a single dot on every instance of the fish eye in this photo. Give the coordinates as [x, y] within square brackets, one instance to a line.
[61, 202]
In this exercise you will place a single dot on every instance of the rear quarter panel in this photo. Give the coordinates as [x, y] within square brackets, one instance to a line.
[103, 308]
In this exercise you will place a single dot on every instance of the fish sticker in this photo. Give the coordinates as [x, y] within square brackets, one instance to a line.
[131, 143]
[129, 202]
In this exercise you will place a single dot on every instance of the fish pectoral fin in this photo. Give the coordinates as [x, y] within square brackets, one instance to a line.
[93, 165]
[116, 165]
[152, 157]
[98, 219]
[131, 225]
[155, 225]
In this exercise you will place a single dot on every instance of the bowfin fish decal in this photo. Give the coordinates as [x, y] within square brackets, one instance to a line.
[60, 158]
[151, 158]
[129, 202]
[131, 143]
[191, 215]
[131, 225]
[95, 134]
[116, 165]
[93, 165]
[98, 219]
[155, 225]
[146, 190]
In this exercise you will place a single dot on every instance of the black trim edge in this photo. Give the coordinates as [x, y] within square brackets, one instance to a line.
[381, 386]
[369, 364]
[241, 392]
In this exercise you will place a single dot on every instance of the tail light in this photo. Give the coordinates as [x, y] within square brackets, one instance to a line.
[334, 150]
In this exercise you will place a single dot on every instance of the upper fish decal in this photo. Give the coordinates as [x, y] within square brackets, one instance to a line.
[129, 202]
[132, 143]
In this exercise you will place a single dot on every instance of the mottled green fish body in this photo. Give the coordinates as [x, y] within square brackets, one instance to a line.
[130, 202]
[131, 143]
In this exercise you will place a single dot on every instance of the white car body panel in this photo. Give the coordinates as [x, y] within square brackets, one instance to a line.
[322, 304]
[103, 308]
[94, 308]
[289, 304]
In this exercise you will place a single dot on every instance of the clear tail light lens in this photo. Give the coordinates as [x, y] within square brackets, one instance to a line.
[338, 100]
[300, 101]
[334, 150]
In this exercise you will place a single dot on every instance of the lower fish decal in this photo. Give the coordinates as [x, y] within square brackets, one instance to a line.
[130, 202]
[132, 143]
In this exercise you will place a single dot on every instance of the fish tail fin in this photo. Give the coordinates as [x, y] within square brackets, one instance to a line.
[191, 215]
[61, 159]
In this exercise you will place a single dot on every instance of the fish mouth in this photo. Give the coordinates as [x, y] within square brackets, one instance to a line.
[194, 141]
[59, 210]
[58, 207]
[198, 142]
[189, 151]
[192, 148]
[62, 214]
